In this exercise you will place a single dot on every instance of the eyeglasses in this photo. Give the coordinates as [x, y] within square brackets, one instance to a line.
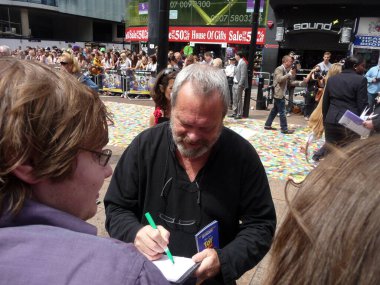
[103, 156]
[63, 63]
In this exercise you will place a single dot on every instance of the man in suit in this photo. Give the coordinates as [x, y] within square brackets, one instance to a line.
[283, 75]
[240, 84]
[345, 91]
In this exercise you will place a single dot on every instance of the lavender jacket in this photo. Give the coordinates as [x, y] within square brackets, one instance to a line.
[43, 245]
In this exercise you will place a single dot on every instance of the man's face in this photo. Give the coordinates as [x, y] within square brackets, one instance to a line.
[208, 58]
[77, 195]
[326, 58]
[196, 122]
[360, 68]
[288, 62]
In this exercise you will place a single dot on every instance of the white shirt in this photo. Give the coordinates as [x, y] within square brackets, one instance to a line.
[230, 70]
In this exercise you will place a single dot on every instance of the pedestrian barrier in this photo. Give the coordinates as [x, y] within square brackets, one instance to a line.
[132, 84]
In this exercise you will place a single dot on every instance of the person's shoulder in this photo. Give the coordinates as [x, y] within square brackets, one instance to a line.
[229, 136]
[70, 255]
[278, 68]
[152, 135]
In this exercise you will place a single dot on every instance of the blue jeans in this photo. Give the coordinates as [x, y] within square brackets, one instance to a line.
[371, 99]
[278, 107]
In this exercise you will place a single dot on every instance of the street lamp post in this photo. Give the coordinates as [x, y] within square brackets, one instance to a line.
[252, 52]
[158, 31]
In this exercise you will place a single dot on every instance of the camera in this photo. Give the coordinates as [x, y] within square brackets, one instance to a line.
[294, 64]
[318, 75]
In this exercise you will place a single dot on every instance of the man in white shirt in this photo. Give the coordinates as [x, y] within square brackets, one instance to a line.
[208, 58]
[230, 73]
[325, 64]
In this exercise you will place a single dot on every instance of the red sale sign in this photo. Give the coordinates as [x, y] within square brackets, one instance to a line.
[201, 35]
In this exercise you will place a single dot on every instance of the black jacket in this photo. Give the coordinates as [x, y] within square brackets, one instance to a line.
[233, 189]
[345, 91]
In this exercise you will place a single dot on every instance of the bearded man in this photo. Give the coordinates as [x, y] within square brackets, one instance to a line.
[189, 172]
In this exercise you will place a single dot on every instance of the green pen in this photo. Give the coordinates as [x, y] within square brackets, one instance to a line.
[153, 225]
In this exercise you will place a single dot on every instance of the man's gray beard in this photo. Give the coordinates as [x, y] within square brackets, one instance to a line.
[192, 153]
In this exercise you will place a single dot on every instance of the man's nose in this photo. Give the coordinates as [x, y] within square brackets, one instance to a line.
[193, 135]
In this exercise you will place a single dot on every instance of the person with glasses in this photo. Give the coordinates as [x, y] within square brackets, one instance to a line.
[69, 63]
[161, 96]
[53, 165]
[188, 172]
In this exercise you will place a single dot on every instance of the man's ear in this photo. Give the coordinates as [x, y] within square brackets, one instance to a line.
[24, 172]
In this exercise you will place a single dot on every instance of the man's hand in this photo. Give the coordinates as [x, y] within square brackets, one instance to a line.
[151, 242]
[368, 124]
[210, 265]
[293, 72]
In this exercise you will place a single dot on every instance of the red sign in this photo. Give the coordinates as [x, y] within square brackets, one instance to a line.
[200, 35]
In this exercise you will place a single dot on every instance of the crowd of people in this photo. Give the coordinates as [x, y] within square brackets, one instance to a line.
[98, 60]
[187, 170]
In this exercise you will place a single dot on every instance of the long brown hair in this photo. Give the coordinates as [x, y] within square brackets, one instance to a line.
[158, 91]
[331, 234]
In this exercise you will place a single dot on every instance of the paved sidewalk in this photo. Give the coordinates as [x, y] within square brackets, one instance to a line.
[254, 276]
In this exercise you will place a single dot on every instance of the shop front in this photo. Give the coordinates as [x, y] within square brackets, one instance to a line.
[312, 27]
[367, 40]
[218, 26]
[310, 36]
[216, 39]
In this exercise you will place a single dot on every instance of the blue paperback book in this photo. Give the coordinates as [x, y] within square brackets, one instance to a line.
[208, 237]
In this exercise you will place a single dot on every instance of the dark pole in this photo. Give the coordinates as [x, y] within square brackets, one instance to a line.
[252, 51]
[158, 31]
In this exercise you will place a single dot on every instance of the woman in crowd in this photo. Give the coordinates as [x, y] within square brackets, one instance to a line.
[172, 62]
[190, 59]
[316, 118]
[142, 64]
[83, 64]
[217, 62]
[314, 81]
[331, 233]
[152, 63]
[161, 95]
[345, 91]
[70, 64]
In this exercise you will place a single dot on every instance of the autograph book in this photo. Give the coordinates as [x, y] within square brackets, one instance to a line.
[178, 272]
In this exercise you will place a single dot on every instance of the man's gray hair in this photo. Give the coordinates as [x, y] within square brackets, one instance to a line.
[205, 79]
[5, 50]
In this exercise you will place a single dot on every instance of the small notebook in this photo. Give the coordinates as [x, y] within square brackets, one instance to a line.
[178, 272]
[354, 123]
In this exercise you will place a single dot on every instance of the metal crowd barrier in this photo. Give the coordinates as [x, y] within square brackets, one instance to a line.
[133, 84]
